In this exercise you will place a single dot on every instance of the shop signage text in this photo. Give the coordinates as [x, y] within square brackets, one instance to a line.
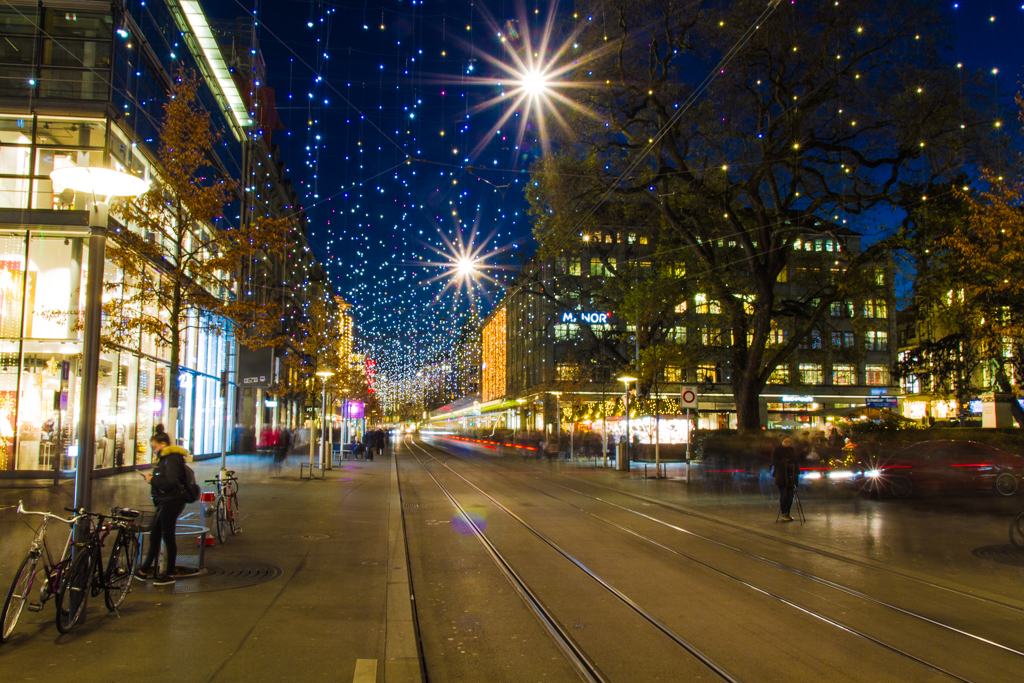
[591, 318]
[797, 399]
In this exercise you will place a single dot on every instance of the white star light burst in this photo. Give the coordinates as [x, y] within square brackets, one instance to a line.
[538, 76]
[464, 266]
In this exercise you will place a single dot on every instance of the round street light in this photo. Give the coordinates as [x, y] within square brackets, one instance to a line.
[101, 182]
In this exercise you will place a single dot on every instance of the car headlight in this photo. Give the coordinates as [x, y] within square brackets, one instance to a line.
[812, 475]
[841, 474]
[874, 474]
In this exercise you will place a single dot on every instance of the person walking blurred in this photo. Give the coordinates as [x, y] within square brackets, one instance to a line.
[787, 475]
[368, 445]
[284, 442]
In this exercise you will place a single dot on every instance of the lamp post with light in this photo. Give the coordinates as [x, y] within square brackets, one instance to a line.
[622, 464]
[325, 462]
[105, 183]
[344, 422]
[519, 418]
[558, 422]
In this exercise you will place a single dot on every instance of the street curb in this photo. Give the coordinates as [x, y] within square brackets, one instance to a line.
[403, 662]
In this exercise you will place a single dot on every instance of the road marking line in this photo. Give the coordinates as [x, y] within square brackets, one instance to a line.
[366, 671]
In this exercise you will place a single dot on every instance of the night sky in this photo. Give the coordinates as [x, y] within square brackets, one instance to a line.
[366, 91]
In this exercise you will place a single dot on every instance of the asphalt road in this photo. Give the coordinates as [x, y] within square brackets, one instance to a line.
[530, 570]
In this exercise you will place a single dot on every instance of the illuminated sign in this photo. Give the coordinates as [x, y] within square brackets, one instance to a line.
[798, 399]
[354, 409]
[591, 318]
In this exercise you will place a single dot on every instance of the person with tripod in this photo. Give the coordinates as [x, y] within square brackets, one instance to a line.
[787, 475]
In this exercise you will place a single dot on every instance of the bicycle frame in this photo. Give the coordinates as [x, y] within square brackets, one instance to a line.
[52, 570]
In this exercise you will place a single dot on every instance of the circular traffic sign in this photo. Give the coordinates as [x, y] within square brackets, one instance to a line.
[689, 396]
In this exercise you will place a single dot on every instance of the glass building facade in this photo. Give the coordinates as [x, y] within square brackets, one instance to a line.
[43, 270]
[75, 92]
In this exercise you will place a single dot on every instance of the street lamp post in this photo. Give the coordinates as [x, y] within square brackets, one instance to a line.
[558, 422]
[622, 464]
[519, 418]
[105, 183]
[325, 462]
[344, 422]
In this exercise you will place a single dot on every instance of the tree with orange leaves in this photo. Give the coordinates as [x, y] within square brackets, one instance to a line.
[969, 284]
[179, 264]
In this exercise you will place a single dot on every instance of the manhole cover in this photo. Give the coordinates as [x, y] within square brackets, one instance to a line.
[1003, 554]
[222, 576]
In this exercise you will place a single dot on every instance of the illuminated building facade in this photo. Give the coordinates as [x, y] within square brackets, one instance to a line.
[560, 337]
[494, 356]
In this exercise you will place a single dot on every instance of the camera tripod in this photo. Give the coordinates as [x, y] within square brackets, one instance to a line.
[799, 507]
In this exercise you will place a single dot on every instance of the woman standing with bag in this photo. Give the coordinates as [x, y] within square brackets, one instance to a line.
[167, 488]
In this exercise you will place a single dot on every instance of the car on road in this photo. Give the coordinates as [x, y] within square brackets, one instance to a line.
[950, 466]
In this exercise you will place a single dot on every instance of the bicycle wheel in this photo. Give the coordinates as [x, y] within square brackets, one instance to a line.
[1017, 531]
[233, 513]
[74, 590]
[17, 596]
[118, 580]
[221, 514]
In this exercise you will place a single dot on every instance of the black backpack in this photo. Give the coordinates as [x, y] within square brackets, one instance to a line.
[189, 488]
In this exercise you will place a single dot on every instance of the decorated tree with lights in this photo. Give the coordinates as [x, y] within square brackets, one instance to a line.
[178, 268]
[812, 116]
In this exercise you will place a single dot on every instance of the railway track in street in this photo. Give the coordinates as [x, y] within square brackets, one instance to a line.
[819, 605]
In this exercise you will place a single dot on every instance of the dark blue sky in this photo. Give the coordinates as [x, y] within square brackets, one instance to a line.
[379, 179]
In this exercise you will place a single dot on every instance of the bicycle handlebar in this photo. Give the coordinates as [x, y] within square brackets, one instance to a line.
[47, 515]
[116, 515]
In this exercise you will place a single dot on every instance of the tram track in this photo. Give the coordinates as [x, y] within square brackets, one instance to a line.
[569, 647]
[784, 541]
[867, 637]
[759, 558]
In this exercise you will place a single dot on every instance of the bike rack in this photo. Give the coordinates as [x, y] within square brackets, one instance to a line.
[201, 532]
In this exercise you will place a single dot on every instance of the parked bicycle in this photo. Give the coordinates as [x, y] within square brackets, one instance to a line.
[80, 567]
[225, 508]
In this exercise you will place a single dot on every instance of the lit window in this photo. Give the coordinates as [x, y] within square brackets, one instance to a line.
[707, 372]
[811, 373]
[876, 340]
[844, 375]
[780, 375]
[876, 375]
[705, 306]
[568, 372]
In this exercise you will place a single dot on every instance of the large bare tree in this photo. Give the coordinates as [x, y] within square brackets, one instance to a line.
[818, 121]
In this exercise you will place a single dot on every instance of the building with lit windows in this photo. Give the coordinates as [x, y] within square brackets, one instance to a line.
[552, 336]
[83, 84]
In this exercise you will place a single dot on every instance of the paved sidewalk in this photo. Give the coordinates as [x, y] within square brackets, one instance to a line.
[324, 616]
